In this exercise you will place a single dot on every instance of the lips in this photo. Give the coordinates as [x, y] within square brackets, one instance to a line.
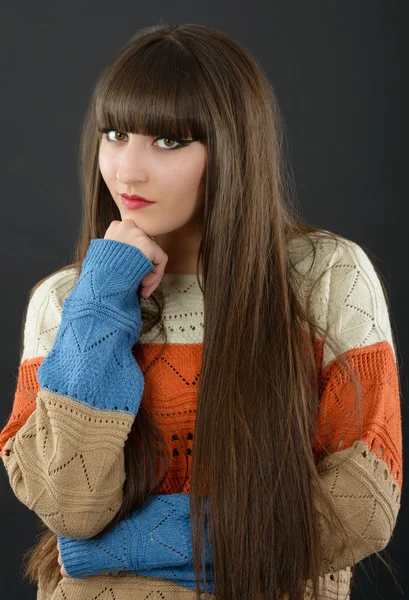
[134, 197]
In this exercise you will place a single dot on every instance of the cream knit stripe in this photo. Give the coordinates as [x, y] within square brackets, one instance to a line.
[44, 314]
[348, 300]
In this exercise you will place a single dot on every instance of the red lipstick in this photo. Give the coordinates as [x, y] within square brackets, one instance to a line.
[133, 202]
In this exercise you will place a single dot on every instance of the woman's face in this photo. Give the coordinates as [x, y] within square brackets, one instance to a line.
[173, 179]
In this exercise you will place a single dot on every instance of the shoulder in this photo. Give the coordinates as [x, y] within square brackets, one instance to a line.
[57, 284]
[315, 252]
[344, 288]
[43, 312]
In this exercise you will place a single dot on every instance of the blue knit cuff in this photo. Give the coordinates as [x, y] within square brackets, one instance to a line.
[75, 556]
[116, 550]
[155, 540]
[121, 258]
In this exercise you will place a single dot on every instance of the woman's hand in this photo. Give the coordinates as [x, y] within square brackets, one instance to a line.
[62, 570]
[127, 232]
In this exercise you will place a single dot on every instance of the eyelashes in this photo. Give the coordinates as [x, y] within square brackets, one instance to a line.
[181, 143]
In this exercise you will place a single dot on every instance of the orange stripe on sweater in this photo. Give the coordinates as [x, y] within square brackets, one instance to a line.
[339, 416]
[24, 399]
[170, 394]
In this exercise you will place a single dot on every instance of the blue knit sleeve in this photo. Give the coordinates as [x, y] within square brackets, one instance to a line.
[91, 359]
[154, 541]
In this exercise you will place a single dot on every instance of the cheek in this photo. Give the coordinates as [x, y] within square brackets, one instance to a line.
[185, 179]
[106, 167]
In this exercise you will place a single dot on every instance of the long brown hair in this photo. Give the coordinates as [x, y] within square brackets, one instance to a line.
[258, 395]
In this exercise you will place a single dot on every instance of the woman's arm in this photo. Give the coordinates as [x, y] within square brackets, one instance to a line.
[155, 537]
[65, 461]
[362, 476]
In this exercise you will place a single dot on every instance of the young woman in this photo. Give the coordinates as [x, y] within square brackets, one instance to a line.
[208, 401]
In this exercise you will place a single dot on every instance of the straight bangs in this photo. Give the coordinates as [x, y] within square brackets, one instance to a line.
[153, 91]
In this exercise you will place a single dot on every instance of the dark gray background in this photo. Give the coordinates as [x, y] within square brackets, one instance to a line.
[339, 70]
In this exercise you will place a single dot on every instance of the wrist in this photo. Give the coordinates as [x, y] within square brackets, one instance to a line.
[75, 556]
[116, 263]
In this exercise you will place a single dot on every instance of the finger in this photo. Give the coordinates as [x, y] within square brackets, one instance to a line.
[150, 278]
[147, 291]
[151, 281]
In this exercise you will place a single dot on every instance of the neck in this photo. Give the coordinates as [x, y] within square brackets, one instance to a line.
[182, 247]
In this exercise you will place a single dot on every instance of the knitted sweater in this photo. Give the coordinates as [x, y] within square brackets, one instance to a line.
[80, 386]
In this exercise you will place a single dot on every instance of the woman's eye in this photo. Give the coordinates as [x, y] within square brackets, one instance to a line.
[115, 131]
[180, 143]
[107, 131]
[171, 140]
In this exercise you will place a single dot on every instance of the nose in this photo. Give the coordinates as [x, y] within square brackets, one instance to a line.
[132, 165]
